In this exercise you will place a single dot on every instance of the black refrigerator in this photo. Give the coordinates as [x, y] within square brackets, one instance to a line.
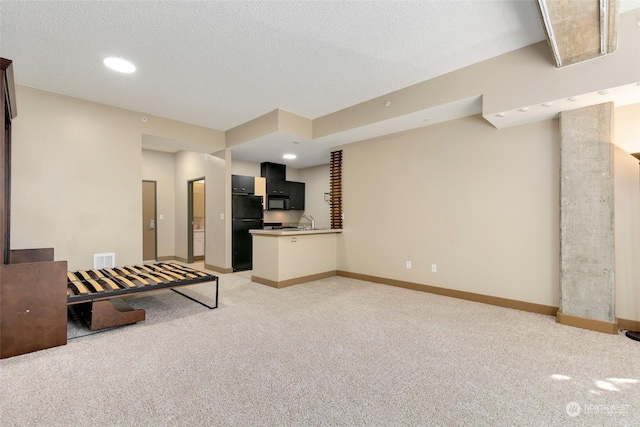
[246, 212]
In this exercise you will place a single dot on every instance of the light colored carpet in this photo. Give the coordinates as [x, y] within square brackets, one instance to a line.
[331, 352]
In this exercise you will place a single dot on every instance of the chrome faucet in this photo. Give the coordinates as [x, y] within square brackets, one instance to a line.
[311, 220]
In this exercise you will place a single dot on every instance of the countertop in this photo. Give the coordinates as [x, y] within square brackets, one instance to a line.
[294, 232]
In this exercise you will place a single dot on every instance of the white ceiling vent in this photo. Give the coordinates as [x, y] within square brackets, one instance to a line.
[106, 260]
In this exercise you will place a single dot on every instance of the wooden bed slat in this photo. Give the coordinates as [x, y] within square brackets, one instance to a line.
[111, 272]
[151, 277]
[132, 269]
[138, 278]
[180, 271]
[171, 273]
[187, 269]
[98, 273]
[128, 283]
[110, 283]
[164, 276]
[79, 287]
[121, 271]
[85, 275]
[95, 285]
[144, 267]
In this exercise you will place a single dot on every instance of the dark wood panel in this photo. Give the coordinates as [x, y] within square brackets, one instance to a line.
[113, 312]
[19, 256]
[5, 157]
[335, 183]
[33, 306]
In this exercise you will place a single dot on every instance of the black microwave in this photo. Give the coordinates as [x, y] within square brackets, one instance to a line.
[278, 203]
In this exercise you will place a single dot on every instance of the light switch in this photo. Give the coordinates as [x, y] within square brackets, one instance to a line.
[161, 216]
[221, 216]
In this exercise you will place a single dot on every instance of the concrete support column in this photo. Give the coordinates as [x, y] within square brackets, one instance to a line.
[586, 219]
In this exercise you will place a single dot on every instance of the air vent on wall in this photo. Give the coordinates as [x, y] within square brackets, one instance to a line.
[106, 260]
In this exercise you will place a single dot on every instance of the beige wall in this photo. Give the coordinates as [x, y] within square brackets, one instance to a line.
[316, 181]
[76, 179]
[77, 173]
[627, 235]
[243, 167]
[480, 203]
[626, 128]
[191, 166]
[159, 166]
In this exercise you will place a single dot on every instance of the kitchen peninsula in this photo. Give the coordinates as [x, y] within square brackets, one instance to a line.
[288, 257]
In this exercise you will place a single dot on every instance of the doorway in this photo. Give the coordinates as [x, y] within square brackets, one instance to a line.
[149, 228]
[195, 220]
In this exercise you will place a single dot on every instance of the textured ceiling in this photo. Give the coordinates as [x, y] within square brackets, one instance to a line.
[220, 64]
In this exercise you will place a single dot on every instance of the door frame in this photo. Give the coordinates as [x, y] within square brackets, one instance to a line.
[155, 219]
[190, 215]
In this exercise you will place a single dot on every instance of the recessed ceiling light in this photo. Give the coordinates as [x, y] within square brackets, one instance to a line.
[573, 98]
[500, 114]
[425, 120]
[296, 142]
[119, 64]
[523, 109]
[289, 156]
[603, 92]
[547, 104]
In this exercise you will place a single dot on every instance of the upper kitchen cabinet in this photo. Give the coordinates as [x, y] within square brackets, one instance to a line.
[242, 184]
[277, 187]
[296, 195]
[273, 171]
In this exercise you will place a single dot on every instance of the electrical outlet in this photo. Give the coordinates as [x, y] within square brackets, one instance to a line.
[408, 264]
[434, 268]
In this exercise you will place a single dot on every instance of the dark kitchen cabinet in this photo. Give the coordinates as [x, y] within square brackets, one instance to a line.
[296, 195]
[242, 184]
[273, 171]
[277, 187]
